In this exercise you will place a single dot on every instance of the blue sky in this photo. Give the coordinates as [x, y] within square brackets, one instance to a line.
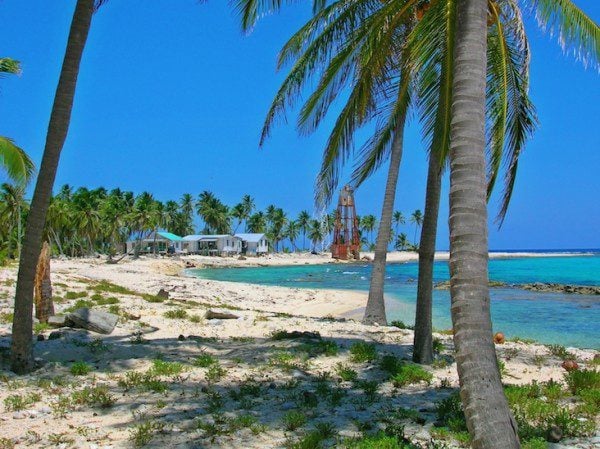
[171, 98]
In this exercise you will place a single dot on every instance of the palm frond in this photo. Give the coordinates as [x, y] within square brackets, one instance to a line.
[15, 161]
[577, 33]
[251, 10]
[10, 66]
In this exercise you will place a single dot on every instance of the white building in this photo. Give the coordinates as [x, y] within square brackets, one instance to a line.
[253, 244]
[156, 242]
[212, 245]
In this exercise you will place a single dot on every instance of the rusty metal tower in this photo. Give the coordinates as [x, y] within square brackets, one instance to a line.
[346, 237]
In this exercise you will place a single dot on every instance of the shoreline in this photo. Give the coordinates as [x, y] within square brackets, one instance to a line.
[306, 258]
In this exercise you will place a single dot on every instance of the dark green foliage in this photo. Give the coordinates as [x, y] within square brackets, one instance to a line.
[580, 380]
[400, 325]
[410, 373]
[361, 352]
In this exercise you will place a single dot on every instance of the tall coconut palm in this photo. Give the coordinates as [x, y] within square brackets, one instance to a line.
[416, 218]
[13, 159]
[291, 233]
[489, 419]
[12, 205]
[239, 213]
[303, 221]
[257, 222]
[488, 416]
[248, 207]
[398, 220]
[315, 233]
[21, 345]
[510, 117]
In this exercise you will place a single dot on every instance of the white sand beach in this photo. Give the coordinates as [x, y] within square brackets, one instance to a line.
[177, 409]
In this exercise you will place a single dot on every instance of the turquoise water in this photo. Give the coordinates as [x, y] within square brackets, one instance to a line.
[571, 320]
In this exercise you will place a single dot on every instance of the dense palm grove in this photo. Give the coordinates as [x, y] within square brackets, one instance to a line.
[83, 222]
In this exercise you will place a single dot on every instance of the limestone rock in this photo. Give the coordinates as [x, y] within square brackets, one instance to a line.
[58, 321]
[94, 320]
[162, 293]
[214, 315]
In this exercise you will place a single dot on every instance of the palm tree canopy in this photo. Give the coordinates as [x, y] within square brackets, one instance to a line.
[15, 161]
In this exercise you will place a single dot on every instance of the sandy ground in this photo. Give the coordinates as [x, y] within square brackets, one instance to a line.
[195, 403]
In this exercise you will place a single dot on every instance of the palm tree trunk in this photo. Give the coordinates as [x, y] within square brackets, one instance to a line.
[19, 231]
[423, 342]
[375, 310]
[21, 346]
[489, 419]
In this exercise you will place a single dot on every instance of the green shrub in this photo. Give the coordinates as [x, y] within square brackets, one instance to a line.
[293, 420]
[561, 352]
[143, 433]
[80, 369]
[17, 402]
[580, 380]
[346, 373]
[400, 325]
[163, 368]
[80, 304]
[215, 372]
[363, 352]
[176, 314]
[75, 295]
[205, 360]
[94, 396]
[40, 327]
[319, 347]
[410, 374]
[379, 440]
[390, 364]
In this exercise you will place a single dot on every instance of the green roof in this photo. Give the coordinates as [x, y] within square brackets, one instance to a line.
[169, 236]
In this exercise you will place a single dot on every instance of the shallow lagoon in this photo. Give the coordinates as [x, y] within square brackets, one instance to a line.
[570, 320]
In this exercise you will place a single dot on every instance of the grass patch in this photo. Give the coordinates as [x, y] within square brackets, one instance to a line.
[75, 295]
[94, 397]
[143, 433]
[80, 304]
[40, 327]
[401, 325]
[345, 372]
[316, 348]
[561, 352]
[80, 369]
[176, 314]
[6, 317]
[361, 352]
[583, 380]
[293, 420]
[410, 373]
[163, 368]
[108, 287]
[16, 402]
[205, 360]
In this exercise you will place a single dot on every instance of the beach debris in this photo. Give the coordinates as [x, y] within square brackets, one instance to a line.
[499, 338]
[162, 293]
[214, 315]
[44, 306]
[367, 258]
[189, 264]
[93, 320]
[570, 365]
[241, 258]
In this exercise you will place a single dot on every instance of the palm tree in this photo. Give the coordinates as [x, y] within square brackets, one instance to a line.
[416, 218]
[488, 416]
[315, 233]
[187, 209]
[239, 213]
[368, 223]
[21, 345]
[13, 204]
[214, 213]
[303, 221]
[257, 223]
[13, 159]
[291, 232]
[401, 242]
[398, 219]
[248, 208]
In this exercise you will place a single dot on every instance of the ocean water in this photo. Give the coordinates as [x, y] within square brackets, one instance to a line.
[570, 320]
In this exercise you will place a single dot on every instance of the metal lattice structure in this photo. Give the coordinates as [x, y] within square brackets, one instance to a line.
[346, 236]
